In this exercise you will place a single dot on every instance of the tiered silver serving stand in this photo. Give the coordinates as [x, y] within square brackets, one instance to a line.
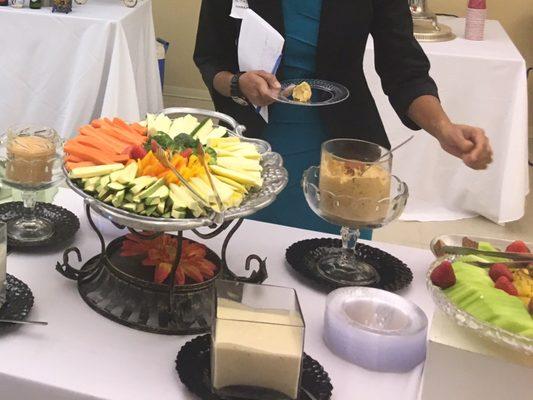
[167, 308]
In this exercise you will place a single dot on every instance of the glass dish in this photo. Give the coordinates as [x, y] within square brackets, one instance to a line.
[257, 341]
[324, 93]
[30, 161]
[275, 178]
[496, 334]
[353, 188]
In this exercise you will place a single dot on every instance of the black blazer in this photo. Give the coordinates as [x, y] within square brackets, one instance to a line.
[344, 28]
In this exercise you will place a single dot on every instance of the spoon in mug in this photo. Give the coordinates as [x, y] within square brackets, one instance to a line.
[390, 151]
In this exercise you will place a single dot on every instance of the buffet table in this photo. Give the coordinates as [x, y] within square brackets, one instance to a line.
[63, 70]
[482, 84]
[83, 355]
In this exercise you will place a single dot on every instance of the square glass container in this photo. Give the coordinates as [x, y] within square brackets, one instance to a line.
[257, 341]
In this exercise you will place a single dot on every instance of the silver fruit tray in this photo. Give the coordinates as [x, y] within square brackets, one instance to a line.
[462, 318]
[275, 178]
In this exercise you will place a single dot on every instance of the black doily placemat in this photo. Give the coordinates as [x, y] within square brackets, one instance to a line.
[193, 365]
[19, 302]
[394, 274]
[66, 224]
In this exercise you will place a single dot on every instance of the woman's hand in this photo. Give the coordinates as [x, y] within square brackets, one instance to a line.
[467, 143]
[259, 87]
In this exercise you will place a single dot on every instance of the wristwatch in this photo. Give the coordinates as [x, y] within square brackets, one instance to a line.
[236, 93]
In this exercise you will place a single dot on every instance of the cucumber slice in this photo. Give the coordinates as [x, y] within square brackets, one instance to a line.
[177, 214]
[130, 207]
[152, 201]
[140, 183]
[118, 199]
[151, 189]
[150, 210]
[161, 207]
[116, 187]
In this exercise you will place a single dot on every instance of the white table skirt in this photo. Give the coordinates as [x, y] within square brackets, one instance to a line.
[83, 355]
[482, 84]
[64, 70]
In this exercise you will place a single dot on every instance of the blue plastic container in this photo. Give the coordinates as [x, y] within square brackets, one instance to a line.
[161, 58]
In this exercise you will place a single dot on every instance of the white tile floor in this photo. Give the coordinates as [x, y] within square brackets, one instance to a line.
[419, 234]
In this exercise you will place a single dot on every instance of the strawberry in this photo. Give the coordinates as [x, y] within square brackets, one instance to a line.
[498, 270]
[506, 285]
[137, 152]
[443, 276]
[517, 246]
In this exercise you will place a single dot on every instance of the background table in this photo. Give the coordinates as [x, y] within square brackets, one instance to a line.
[64, 70]
[481, 84]
[83, 355]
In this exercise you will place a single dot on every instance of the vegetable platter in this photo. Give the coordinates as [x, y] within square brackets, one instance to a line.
[110, 163]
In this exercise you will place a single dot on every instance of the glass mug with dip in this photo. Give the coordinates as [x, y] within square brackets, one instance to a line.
[353, 188]
[30, 161]
[257, 342]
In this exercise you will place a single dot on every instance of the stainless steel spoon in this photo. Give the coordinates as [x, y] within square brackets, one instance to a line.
[25, 322]
[390, 151]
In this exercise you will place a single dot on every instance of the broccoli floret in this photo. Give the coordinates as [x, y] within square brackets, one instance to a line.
[162, 139]
[184, 141]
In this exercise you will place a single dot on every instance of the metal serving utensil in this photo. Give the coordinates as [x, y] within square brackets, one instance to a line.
[201, 156]
[464, 251]
[26, 322]
[162, 156]
[389, 152]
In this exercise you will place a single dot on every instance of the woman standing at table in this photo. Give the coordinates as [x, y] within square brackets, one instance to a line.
[326, 39]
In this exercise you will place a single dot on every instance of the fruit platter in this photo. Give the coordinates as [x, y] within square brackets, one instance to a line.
[114, 166]
[491, 295]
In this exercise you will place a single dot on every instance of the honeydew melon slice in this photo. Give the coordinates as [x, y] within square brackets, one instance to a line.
[474, 292]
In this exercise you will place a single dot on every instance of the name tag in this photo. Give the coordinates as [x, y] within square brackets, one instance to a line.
[238, 9]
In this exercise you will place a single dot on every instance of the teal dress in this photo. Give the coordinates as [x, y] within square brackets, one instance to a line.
[297, 132]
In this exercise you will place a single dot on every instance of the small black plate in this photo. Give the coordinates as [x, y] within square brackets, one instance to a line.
[66, 224]
[193, 365]
[19, 302]
[394, 274]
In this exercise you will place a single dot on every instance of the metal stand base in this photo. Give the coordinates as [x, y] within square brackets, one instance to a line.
[147, 306]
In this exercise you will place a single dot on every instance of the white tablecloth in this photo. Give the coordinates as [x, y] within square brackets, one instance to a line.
[64, 70]
[481, 84]
[82, 355]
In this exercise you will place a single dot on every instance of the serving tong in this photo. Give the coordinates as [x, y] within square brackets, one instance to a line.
[519, 260]
[162, 157]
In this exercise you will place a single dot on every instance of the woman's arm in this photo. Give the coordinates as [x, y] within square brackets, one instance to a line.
[216, 48]
[465, 142]
[215, 56]
[400, 61]
[404, 71]
[259, 87]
